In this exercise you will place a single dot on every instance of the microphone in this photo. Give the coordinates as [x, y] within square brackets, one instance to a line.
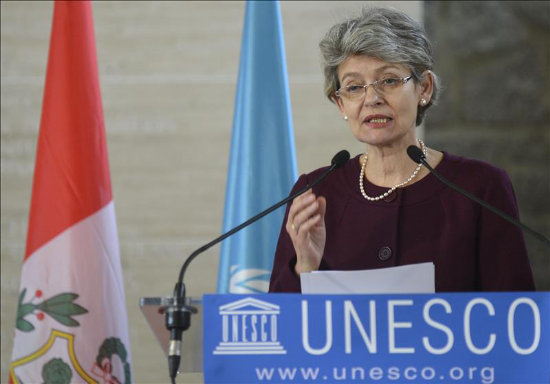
[178, 315]
[417, 156]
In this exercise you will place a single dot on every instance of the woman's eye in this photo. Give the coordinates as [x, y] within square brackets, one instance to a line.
[390, 81]
[354, 88]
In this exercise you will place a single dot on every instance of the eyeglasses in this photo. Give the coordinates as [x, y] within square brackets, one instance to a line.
[381, 86]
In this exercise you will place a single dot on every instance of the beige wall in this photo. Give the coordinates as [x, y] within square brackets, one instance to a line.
[168, 72]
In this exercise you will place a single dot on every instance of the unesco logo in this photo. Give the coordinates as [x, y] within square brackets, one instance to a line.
[249, 327]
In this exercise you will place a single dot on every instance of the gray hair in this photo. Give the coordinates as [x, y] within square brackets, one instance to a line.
[383, 33]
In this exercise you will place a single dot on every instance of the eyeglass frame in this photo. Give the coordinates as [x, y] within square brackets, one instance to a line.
[374, 84]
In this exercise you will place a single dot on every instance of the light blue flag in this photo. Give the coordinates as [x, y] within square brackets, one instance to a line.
[262, 162]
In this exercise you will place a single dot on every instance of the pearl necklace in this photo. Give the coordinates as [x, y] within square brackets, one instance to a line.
[389, 191]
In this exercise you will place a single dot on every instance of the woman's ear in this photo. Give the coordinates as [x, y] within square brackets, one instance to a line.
[426, 86]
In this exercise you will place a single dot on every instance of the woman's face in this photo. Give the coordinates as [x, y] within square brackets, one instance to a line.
[381, 118]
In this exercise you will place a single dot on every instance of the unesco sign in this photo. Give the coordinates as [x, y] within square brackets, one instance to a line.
[440, 338]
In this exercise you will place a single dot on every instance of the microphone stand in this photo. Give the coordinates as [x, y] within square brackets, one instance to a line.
[417, 156]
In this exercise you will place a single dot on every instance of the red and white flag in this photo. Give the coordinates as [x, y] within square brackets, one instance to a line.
[71, 322]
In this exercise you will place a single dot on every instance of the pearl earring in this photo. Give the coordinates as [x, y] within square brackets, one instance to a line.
[346, 118]
[423, 102]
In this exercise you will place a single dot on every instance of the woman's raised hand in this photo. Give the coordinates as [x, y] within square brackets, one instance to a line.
[306, 227]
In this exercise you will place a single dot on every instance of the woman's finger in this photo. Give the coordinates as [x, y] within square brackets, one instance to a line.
[310, 223]
[297, 206]
[303, 216]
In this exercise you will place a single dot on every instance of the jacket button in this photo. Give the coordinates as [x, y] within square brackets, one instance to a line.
[384, 253]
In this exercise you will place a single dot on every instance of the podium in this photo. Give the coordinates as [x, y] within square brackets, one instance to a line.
[392, 338]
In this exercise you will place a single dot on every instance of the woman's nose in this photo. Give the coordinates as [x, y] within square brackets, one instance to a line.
[372, 97]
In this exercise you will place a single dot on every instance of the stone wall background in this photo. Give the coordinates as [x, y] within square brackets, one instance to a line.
[494, 60]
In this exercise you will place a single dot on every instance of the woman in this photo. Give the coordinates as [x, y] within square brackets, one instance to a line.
[381, 209]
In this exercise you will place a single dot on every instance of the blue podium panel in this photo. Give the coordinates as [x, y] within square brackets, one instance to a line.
[437, 338]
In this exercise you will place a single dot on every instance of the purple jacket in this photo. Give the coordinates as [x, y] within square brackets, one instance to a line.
[472, 248]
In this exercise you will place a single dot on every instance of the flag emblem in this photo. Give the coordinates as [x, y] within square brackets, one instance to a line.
[248, 280]
[60, 307]
[56, 359]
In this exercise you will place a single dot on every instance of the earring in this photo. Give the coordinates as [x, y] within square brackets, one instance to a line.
[346, 118]
[423, 102]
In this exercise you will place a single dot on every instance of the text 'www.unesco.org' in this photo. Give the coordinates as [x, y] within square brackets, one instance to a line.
[484, 375]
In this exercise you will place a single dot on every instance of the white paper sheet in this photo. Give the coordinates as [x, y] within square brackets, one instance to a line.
[412, 278]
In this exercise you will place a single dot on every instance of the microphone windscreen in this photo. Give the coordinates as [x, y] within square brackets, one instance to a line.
[415, 154]
[340, 158]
